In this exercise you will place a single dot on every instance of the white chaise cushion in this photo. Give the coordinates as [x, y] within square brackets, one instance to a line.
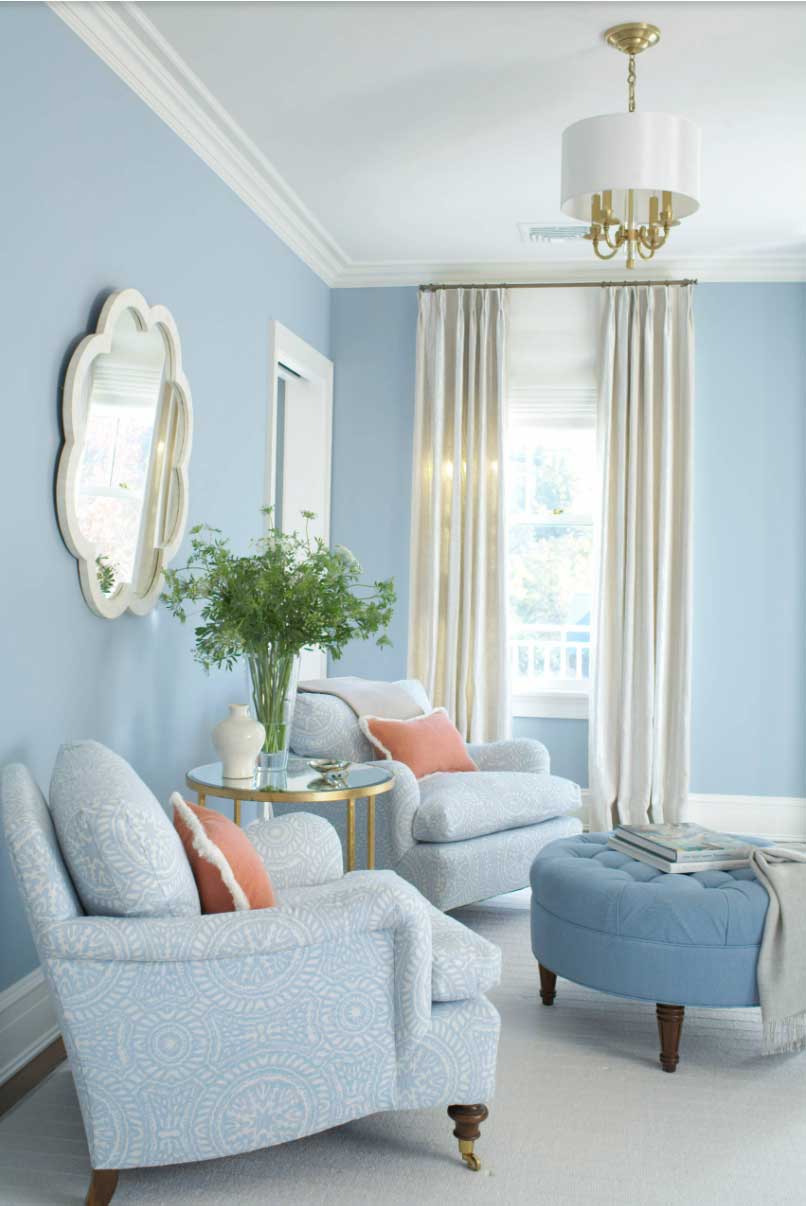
[458, 805]
[124, 856]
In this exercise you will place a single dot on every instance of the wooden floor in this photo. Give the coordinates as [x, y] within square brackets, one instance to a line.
[31, 1075]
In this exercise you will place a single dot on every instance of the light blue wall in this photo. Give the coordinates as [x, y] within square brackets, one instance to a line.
[567, 741]
[749, 671]
[373, 341]
[749, 678]
[98, 194]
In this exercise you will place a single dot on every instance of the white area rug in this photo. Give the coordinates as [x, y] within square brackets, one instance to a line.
[583, 1116]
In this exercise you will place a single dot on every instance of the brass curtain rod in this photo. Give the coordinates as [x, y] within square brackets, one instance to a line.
[550, 285]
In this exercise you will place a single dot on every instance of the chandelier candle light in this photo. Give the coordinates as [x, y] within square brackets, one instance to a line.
[632, 176]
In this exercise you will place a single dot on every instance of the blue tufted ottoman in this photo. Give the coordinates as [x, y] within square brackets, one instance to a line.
[613, 923]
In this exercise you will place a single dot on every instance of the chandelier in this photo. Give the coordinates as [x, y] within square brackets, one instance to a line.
[631, 176]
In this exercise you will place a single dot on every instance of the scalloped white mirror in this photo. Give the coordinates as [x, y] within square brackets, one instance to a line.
[121, 488]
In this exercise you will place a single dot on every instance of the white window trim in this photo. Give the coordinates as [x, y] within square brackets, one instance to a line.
[551, 705]
[569, 406]
[301, 366]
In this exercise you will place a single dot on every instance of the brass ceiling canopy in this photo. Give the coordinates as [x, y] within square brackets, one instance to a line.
[632, 37]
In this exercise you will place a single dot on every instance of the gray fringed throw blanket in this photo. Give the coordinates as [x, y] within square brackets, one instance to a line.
[367, 697]
[782, 957]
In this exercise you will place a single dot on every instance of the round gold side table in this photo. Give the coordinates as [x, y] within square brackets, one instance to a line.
[300, 784]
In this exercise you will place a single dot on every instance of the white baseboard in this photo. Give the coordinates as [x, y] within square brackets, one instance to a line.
[777, 817]
[27, 1022]
[780, 818]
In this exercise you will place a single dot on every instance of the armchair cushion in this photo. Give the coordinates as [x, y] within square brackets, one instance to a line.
[517, 754]
[454, 807]
[124, 855]
[324, 726]
[298, 850]
[464, 965]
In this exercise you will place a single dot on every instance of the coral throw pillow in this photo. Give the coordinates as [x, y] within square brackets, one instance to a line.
[426, 744]
[229, 872]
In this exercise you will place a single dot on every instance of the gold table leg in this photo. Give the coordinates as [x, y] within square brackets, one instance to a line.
[370, 833]
[201, 798]
[351, 834]
[236, 809]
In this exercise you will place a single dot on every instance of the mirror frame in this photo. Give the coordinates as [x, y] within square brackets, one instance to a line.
[74, 416]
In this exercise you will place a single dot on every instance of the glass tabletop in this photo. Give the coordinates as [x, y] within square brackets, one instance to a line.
[299, 778]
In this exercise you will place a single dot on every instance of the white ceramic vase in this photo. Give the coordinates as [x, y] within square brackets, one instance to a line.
[238, 741]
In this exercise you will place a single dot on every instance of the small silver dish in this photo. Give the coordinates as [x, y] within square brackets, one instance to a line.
[329, 766]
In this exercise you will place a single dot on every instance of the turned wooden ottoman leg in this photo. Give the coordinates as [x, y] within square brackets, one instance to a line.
[102, 1186]
[467, 1119]
[670, 1023]
[548, 985]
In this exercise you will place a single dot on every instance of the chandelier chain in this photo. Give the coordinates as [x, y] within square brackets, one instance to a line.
[631, 83]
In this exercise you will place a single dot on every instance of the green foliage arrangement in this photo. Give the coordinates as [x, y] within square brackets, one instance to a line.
[290, 591]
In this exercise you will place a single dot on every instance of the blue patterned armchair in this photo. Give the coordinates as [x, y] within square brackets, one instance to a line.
[458, 837]
[191, 1037]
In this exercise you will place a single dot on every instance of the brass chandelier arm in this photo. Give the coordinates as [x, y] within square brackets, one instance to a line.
[652, 238]
[601, 254]
[618, 237]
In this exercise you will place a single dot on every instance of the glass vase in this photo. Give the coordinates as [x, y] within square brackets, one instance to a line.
[273, 675]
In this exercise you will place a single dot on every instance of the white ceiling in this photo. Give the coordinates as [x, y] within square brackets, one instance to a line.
[424, 133]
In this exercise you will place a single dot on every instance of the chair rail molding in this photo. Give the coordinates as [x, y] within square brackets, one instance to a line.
[27, 1022]
[778, 818]
[124, 38]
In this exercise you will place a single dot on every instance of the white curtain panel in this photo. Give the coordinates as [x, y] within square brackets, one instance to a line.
[639, 732]
[457, 614]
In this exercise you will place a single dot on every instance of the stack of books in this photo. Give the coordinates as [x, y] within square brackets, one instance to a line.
[680, 848]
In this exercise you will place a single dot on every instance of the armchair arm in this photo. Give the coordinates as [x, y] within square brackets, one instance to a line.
[298, 849]
[520, 754]
[400, 806]
[361, 906]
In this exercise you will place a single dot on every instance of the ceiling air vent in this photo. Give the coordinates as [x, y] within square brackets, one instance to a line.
[531, 233]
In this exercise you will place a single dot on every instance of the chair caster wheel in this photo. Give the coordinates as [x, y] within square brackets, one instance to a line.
[468, 1119]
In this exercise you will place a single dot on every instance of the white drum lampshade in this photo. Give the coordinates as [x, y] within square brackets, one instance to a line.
[650, 153]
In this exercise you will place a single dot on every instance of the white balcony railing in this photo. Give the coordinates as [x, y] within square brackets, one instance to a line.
[550, 654]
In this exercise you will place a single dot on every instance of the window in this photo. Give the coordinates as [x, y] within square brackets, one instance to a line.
[551, 487]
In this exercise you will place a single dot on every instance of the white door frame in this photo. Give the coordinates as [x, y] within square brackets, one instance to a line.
[303, 369]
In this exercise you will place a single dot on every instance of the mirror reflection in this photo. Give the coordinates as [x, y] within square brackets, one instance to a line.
[120, 457]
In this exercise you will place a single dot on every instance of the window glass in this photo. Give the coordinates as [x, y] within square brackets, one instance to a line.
[551, 485]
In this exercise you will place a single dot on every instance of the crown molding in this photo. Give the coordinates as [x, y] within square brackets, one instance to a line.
[753, 266]
[123, 37]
